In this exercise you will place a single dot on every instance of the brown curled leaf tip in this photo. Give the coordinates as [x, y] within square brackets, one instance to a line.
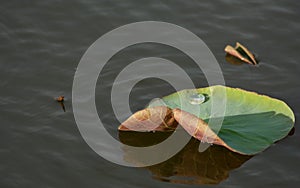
[158, 118]
[198, 128]
[240, 52]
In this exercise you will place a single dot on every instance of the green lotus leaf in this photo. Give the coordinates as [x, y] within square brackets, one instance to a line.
[242, 121]
[251, 122]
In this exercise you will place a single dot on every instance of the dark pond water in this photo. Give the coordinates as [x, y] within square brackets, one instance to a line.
[41, 43]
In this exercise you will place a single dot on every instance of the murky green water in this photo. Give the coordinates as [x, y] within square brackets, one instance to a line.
[41, 43]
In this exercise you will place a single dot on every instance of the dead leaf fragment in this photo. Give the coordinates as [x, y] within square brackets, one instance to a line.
[242, 53]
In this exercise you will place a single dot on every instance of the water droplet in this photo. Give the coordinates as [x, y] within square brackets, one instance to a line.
[197, 98]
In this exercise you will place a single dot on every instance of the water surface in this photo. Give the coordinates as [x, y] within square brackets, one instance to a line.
[43, 41]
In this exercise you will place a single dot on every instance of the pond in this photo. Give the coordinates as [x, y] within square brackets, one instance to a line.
[42, 43]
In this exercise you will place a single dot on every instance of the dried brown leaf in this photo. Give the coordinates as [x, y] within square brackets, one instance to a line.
[158, 118]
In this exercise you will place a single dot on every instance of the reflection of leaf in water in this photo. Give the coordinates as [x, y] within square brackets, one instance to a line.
[189, 166]
[142, 139]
